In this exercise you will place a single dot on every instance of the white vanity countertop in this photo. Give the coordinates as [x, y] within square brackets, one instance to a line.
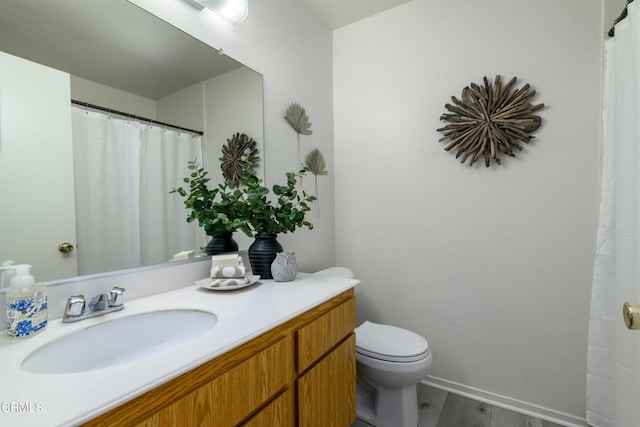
[28, 399]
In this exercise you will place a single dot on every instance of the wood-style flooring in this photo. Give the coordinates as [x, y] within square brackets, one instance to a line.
[439, 408]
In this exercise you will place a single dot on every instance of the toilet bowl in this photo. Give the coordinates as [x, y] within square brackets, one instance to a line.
[390, 362]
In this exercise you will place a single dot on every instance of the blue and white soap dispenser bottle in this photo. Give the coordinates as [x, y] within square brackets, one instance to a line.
[26, 304]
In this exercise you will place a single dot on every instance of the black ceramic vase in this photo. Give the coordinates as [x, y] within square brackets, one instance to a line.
[262, 252]
[221, 244]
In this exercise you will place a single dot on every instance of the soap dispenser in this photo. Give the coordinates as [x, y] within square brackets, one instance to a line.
[26, 304]
[7, 271]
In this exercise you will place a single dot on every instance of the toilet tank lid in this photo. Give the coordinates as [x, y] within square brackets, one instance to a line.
[389, 340]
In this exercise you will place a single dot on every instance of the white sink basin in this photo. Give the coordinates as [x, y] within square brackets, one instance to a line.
[119, 341]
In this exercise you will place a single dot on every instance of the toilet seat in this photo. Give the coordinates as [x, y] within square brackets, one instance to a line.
[390, 343]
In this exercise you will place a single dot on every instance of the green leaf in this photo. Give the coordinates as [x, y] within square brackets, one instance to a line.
[248, 207]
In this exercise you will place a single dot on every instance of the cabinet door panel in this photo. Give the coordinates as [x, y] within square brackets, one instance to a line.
[327, 393]
[319, 336]
[234, 395]
[195, 409]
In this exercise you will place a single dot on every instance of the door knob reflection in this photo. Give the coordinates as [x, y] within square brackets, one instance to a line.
[631, 315]
[65, 247]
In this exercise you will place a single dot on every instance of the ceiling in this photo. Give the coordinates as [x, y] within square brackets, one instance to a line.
[338, 13]
[123, 51]
[72, 37]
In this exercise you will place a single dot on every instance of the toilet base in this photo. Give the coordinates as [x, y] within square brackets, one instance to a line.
[386, 407]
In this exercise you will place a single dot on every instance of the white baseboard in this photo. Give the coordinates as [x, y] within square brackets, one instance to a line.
[506, 402]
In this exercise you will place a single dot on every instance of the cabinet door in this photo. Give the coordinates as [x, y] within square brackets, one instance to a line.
[234, 395]
[320, 335]
[327, 392]
[36, 167]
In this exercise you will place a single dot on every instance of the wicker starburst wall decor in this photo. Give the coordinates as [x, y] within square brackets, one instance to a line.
[490, 119]
[232, 164]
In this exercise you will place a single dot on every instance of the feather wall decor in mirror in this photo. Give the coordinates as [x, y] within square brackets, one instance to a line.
[297, 118]
[236, 153]
[317, 165]
[490, 119]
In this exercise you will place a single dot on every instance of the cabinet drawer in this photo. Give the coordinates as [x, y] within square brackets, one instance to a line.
[232, 396]
[322, 334]
[327, 392]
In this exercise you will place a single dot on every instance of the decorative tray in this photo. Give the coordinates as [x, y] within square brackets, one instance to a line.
[205, 283]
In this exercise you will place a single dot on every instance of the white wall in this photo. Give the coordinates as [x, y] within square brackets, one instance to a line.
[284, 42]
[184, 107]
[109, 97]
[492, 265]
[231, 106]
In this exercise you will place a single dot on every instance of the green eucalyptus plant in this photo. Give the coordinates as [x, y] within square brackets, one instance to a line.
[217, 210]
[286, 214]
[246, 207]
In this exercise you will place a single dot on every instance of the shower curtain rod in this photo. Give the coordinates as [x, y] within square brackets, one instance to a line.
[623, 15]
[133, 116]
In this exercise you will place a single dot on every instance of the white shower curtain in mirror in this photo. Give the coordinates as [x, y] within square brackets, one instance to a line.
[124, 170]
[107, 183]
[163, 226]
[613, 371]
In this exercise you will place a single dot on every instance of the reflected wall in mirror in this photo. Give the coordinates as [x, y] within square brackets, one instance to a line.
[112, 54]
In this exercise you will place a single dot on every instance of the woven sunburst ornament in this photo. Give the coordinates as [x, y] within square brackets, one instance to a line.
[490, 119]
[232, 157]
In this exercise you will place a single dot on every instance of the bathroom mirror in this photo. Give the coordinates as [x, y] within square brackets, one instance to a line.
[113, 54]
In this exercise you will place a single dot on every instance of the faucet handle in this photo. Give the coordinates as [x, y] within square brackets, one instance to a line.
[75, 306]
[98, 303]
[116, 297]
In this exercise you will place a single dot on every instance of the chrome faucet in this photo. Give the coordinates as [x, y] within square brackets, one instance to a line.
[78, 309]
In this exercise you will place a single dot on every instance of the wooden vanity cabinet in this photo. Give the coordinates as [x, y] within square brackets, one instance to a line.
[327, 392]
[326, 367]
[301, 373]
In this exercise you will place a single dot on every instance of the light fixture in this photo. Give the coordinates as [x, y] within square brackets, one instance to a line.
[234, 11]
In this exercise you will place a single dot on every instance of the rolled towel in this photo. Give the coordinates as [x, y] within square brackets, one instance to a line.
[227, 283]
[227, 272]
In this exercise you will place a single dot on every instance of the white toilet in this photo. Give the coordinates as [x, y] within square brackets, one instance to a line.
[390, 363]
